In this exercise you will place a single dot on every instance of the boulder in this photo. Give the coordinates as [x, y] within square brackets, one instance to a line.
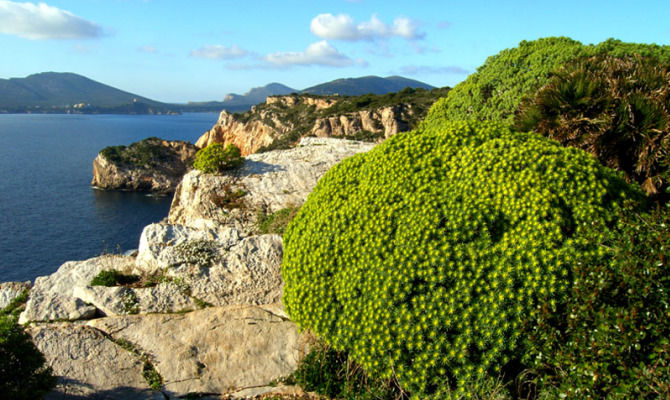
[89, 365]
[11, 290]
[51, 297]
[212, 350]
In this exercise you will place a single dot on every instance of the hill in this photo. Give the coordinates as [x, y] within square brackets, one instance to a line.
[365, 85]
[59, 92]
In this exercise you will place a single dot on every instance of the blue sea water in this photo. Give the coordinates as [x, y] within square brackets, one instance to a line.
[49, 213]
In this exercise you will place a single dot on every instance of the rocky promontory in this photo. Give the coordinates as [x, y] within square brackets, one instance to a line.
[151, 165]
[281, 121]
[203, 315]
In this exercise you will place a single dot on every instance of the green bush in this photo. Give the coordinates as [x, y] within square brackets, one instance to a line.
[113, 278]
[617, 108]
[23, 370]
[495, 91]
[331, 373]
[615, 342]
[216, 159]
[423, 257]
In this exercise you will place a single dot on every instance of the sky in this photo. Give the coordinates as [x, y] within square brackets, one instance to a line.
[200, 50]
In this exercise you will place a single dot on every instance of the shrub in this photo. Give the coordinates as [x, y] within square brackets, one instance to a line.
[113, 278]
[422, 257]
[617, 108]
[23, 370]
[216, 159]
[275, 222]
[495, 91]
[616, 341]
[331, 373]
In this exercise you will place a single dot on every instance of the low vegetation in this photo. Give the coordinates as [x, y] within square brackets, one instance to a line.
[275, 222]
[24, 374]
[147, 152]
[216, 158]
[113, 278]
[616, 108]
[496, 89]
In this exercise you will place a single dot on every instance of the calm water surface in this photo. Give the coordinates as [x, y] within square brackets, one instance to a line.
[49, 213]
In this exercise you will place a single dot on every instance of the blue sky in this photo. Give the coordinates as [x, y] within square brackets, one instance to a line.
[178, 50]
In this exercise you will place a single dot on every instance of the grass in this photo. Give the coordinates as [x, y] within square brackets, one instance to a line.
[275, 222]
[112, 277]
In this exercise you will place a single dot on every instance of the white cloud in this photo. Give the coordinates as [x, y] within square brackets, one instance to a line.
[41, 21]
[343, 27]
[319, 53]
[218, 52]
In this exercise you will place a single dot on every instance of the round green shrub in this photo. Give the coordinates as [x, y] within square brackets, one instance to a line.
[496, 89]
[617, 108]
[216, 159]
[422, 257]
[23, 370]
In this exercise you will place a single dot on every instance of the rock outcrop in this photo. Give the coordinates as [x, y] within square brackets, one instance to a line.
[269, 181]
[151, 165]
[206, 316]
[284, 119]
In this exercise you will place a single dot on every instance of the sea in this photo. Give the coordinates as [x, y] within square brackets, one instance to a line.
[49, 213]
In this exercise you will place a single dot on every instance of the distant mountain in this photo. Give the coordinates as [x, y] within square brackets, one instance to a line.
[53, 91]
[233, 102]
[365, 85]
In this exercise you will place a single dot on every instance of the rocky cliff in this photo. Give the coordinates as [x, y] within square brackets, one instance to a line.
[205, 316]
[151, 165]
[282, 120]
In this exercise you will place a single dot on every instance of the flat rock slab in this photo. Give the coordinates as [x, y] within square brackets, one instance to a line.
[163, 298]
[51, 298]
[88, 365]
[11, 290]
[212, 350]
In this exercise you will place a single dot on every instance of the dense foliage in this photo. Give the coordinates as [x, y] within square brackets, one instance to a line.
[495, 91]
[616, 341]
[23, 370]
[216, 159]
[617, 108]
[423, 257]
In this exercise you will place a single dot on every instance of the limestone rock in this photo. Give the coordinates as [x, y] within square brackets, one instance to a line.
[11, 290]
[249, 273]
[152, 165]
[387, 121]
[212, 350]
[166, 297]
[237, 270]
[51, 298]
[89, 365]
[271, 181]
[159, 244]
[248, 136]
